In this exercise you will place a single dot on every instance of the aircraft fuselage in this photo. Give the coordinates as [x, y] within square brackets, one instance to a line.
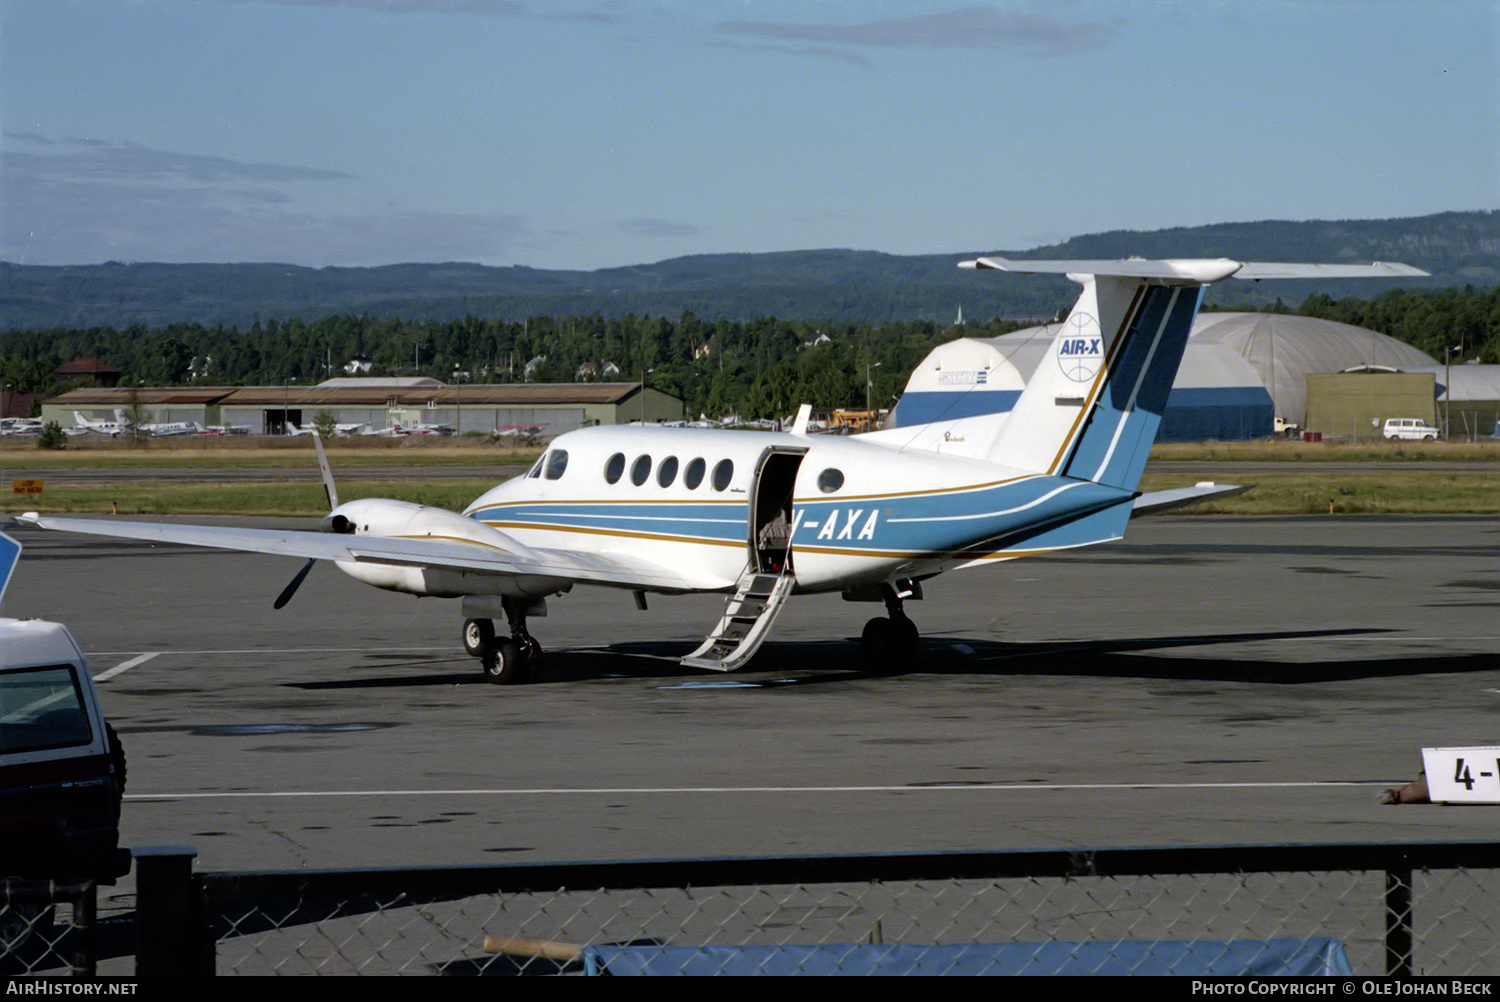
[683, 498]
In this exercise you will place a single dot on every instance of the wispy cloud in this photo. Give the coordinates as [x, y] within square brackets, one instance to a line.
[77, 159]
[968, 28]
[81, 201]
[657, 228]
[480, 7]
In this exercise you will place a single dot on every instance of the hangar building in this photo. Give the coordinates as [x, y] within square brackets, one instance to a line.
[1239, 372]
[380, 403]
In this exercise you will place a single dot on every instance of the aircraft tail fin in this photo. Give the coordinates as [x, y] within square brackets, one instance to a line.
[1092, 408]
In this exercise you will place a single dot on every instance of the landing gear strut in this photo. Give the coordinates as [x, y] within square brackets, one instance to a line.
[508, 660]
[890, 642]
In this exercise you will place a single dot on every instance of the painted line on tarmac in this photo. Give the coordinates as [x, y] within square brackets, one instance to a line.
[125, 666]
[643, 790]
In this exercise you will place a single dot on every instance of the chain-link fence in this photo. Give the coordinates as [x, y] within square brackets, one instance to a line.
[1428, 909]
[1366, 909]
[47, 926]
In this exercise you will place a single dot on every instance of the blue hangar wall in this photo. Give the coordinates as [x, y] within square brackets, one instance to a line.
[1217, 395]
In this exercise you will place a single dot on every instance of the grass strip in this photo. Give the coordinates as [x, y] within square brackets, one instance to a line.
[1462, 492]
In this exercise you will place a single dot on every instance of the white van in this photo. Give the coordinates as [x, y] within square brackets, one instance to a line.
[1410, 428]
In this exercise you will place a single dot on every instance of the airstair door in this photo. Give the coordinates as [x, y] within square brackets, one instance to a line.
[768, 576]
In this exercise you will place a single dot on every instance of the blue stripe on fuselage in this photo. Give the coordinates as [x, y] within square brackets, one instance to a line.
[691, 521]
[916, 524]
[908, 524]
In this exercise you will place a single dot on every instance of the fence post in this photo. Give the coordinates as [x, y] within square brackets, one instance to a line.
[1398, 923]
[170, 935]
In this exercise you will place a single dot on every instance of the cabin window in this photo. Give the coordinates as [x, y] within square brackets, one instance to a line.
[614, 467]
[640, 470]
[830, 480]
[557, 462]
[692, 476]
[667, 471]
[723, 473]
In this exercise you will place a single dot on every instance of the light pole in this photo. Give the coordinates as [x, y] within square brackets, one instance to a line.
[1448, 388]
[869, 366]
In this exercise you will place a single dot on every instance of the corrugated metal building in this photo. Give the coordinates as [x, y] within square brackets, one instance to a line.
[381, 403]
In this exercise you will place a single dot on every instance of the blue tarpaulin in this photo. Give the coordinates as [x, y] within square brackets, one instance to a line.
[1206, 958]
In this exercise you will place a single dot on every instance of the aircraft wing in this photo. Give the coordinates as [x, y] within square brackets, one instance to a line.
[418, 551]
[1181, 497]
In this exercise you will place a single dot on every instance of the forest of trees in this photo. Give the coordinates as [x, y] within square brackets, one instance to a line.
[760, 368]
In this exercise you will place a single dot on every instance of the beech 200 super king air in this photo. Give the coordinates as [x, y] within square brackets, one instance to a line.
[761, 515]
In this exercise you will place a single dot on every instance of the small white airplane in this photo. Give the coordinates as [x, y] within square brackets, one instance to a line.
[166, 429]
[111, 428]
[16, 426]
[761, 515]
[121, 425]
[342, 429]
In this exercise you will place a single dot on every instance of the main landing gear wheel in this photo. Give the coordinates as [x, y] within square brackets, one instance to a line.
[533, 653]
[479, 636]
[505, 660]
[889, 644]
[504, 664]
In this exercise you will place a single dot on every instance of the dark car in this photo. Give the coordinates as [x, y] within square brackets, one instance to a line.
[62, 769]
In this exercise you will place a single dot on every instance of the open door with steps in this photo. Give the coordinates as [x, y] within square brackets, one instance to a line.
[747, 619]
[768, 576]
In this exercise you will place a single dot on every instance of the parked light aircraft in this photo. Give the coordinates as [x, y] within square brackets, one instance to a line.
[760, 515]
[342, 430]
[121, 425]
[110, 428]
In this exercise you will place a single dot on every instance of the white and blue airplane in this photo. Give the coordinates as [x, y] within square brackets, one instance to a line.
[763, 515]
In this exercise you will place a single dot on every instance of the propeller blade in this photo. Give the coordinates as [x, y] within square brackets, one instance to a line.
[328, 488]
[291, 588]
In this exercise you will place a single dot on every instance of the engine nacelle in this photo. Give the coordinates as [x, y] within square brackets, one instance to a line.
[403, 519]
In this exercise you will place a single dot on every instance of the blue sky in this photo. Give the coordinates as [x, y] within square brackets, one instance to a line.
[594, 133]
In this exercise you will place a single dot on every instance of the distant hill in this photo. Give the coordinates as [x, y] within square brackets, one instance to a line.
[857, 286]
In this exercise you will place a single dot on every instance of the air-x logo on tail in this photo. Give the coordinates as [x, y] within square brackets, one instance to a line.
[1080, 349]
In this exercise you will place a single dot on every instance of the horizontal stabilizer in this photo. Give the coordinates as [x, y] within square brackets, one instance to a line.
[1196, 271]
[1181, 497]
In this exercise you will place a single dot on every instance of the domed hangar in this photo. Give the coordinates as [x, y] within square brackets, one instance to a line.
[1239, 372]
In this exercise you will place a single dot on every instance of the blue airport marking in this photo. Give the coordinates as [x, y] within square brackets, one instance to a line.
[10, 555]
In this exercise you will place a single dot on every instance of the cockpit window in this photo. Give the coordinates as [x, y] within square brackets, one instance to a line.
[536, 468]
[640, 470]
[692, 475]
[557, 462]
[723, 473]
[614, 468]
[667, 471]
[830, 480]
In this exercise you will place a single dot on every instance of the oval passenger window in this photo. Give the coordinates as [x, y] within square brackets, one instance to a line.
[723, 473]
[640, 470]
[614, 468]
[692, 476]
[830, 480]
[667, 471]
